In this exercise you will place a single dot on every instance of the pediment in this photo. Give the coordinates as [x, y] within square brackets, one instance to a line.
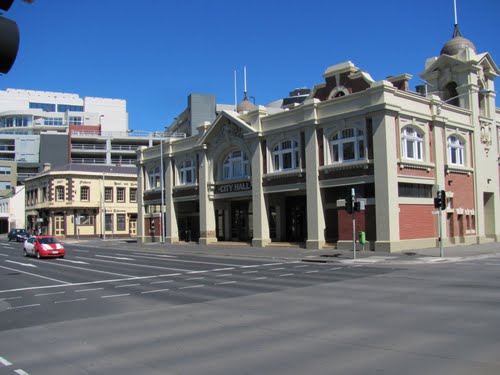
[226, 128]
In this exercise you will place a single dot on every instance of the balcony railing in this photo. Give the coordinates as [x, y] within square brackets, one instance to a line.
[88, 147]
[88, 161]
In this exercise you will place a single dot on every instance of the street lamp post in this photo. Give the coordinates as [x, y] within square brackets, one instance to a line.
[162, 205]
[103, 197]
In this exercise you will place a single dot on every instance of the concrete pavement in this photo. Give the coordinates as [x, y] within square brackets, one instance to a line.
[291, 252]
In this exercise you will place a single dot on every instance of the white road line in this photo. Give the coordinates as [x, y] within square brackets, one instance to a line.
[116, 295]
[48, 294]
[259, 278]
[271, 264]
[126, 285]
[112, 257]
[9, 298]
[336, 268]
[34, 274]
[192, 286]
[154, 255]
[161, 282]
[135, 265]
[301, 266]
[155, 291]
[252, 266]
[223, 269]
[21, 264]
[276, 269]
[21, 372]
[88, 269]
[24, 306]
[225, 282]
[192, 261]
[312, 271]
[71, 261]
[87, 290]
[71, 300]
[195, 278]
[286, 274]
[224, 275]
[192, 272]
[250, 272]
[4, 362]
[4, 255]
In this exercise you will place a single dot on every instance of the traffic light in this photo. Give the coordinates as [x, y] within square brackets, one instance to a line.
[9, 39]
[440, 200]
[349, 203]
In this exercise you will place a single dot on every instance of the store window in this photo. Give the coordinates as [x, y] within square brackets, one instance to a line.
[412, 144]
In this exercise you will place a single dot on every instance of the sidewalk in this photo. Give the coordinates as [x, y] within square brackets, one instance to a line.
[325, 255]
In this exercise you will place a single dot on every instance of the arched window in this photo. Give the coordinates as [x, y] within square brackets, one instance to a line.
[450, 94]
[455, 151]
[59, 193]
[154, 178]
[286, 155]
[347, 145]
[187, 172]
[412, 144]
[235, 165]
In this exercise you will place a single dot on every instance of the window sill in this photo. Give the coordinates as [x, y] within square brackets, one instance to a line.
[457, 169]
[286, 173]
[364, 164]
[415, 164]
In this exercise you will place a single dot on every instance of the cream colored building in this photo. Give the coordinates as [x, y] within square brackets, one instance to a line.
[259, 175]
[83, 200]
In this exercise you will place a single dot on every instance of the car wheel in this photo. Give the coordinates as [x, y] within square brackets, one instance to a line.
[37, 254]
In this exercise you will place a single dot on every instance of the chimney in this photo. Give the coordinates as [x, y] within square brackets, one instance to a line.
[46, 167]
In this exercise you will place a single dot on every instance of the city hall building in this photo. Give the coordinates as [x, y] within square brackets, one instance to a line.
[264, 174]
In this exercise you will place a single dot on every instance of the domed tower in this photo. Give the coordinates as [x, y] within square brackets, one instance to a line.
[245, 106]
[457, 44]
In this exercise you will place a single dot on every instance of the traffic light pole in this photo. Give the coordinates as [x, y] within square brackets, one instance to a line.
[353, 199]
[440, 234]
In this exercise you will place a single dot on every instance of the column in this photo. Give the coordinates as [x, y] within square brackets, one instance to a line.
[260, 217]
[315, 211]
[207, 211]
[172, 232]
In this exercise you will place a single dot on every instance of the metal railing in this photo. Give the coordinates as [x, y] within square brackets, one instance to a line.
[88, 147]
[88, 161]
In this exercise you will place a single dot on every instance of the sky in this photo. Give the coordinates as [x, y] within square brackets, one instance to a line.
[154, 53]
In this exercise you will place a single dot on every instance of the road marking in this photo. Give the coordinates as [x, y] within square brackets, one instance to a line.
[71, 300]
[4, 362]
[4, 255]
[195, 278]
[87, 290]
[312, 271]
[223, 269]
[32, 274]
[192, 272]
[162, 282]
[252, 266]
[286, 274]
[112, 257]
[136, 265]
[271, 264]
[155, 291]
[304, 265]
[9, 298]
[276, 269]
[21, 264]
[224, 275]
[21, 372]
[259, 278]
[250, 272]
[89, 269]
[225, 282]
[48, 294]
[24, 306]
[71, 261]
[192, 286]
[336, 268]
[152, 255]
[126, 285]
[116, 295]
[192, 261]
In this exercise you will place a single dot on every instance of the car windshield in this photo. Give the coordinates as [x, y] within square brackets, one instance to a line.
[21, 231]
[47, 240]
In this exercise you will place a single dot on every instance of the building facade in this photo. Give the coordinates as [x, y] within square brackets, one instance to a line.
[12, 210]
[261, 176]
[83, 201]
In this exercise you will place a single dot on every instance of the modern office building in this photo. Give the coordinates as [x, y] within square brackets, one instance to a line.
[265, 174]
[83, 201]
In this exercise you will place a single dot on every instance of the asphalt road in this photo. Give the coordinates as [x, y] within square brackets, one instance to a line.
[123, 311]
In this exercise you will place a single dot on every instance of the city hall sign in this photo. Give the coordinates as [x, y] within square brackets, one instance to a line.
[234, 187]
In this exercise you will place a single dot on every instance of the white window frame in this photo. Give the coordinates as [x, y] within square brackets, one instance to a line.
[235, 165]
[338, 142]
[187, 172]
[283, 151]
[456, 150]
[60, 193]
[154, 177]
[412, 143]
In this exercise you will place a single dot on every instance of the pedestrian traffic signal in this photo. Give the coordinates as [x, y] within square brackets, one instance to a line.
[349, 203]
[9, 39]
[440, 200]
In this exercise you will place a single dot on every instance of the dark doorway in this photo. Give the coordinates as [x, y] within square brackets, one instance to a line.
[239, 221]
[296, 219]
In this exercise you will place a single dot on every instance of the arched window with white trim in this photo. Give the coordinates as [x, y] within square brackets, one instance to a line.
[235, 165]
[154, 177]
[455, 151]
[285, 155]
[347, 145]
[187, 172]
[412, 142]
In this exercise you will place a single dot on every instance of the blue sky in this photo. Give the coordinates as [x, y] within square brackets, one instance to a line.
[154, 53]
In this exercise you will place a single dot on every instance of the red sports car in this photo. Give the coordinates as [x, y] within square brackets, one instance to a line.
[43, 246]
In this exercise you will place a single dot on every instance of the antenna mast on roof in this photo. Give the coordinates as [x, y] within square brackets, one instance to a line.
[235, 93]
[245, 82]
[456, 17]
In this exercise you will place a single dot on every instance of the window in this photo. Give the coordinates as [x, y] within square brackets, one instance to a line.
[108, 194]
[53, 121]
[412, 144]
[15, 121]
[46, 107]
[414, 190]
[235, 165]
[347, 145]
[4, 185]
[120, 222]
[70, 108]
[59, 193]
[108, 222]
[133, 195]
[75, 120]
[154, 178]
[85, 193]
[4, 170]
[455, 151]
[86, 220]
[187, 172]
[286, 155]
[120, 194]
[44, 194]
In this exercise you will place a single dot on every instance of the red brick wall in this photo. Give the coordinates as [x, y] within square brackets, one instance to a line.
[462, 187]
[416, 221]
[365, 221]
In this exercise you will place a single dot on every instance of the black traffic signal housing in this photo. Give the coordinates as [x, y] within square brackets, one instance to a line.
[349, 203]
[440, 200]
[9, 39]
[357, 206]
